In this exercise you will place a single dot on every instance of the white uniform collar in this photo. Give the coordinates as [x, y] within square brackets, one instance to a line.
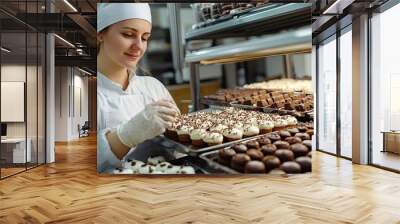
[105, 82]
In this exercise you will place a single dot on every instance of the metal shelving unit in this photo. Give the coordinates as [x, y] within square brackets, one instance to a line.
[297, 39]
[261, 20]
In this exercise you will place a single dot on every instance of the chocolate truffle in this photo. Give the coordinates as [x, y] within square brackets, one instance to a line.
[310, 132]
[310, 154]
[284, 155]
[254, 167]
[284, 134]
[255, 154]
[271, 162]
[239, 161]
[264, 141]
[253, 144]
[305, 163]
[308, 143]
[222, 161]
[293, 131]
[226, 153]
[310, 125]
[274, 136]
[302, 128]
[290, 167]
[303, 136]
[268, 149]
[299, 149]
[240, 148]
[293, 140]
[282, 145]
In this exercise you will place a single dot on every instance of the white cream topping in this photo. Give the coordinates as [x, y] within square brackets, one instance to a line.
[233, 133]
[219, 128]
[265, 124]
[291, 120]
[213, 137]
[197, 134]
[280, 123]
[184, 130]
[250, 129]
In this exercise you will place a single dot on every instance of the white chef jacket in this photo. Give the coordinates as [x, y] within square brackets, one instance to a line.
[115, 106]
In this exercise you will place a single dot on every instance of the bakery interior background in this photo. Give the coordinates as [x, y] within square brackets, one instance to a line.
[247, 68]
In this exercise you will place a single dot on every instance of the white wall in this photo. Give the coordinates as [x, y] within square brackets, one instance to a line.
[68, 84]
[61, 103]
[79, 117]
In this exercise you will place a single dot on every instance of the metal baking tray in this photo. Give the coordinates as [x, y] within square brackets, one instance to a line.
[200, 165]
[210, 158]
[238, 13]
[211, 102]
[245, 107]
[193, 151]
[301, 116]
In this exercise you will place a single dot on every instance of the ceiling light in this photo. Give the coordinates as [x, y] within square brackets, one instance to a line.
[71, 6]
[5, 50]
[65, 41]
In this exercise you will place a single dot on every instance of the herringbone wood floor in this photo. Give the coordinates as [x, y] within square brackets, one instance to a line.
[70, 191]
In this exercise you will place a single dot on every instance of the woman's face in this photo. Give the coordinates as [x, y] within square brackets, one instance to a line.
[125, 42]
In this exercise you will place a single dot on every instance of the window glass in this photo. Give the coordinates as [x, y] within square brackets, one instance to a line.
[385, 84]
[346, 93]
[327, 95]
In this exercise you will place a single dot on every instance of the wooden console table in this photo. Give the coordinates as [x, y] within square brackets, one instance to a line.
[391, 141]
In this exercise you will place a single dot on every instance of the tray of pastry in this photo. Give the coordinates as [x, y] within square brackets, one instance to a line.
[220, 12]
[302, 116]
[282, 152]
[210, 101]
[243, 96]
[158, 164]
[295, 103]
[209, 130]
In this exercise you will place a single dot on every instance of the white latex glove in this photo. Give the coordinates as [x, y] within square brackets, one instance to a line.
[150, 122]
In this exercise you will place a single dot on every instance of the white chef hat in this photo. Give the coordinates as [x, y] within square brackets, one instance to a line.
[110, 13]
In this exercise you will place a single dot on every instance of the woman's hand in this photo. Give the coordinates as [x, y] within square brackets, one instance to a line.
[150, 122]
[166, 110]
